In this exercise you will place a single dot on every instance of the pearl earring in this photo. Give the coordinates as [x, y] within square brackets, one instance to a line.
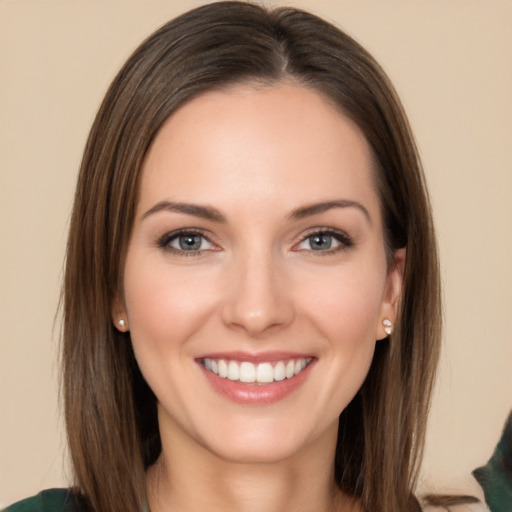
[388, 326]
[121, 323]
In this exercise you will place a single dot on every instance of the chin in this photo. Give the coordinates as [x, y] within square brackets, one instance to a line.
[263, 451]
[266, 442]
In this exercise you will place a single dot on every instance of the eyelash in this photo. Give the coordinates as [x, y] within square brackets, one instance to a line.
[345, 242]
[165, 241]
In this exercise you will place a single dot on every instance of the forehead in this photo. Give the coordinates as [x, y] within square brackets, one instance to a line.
[281, 142]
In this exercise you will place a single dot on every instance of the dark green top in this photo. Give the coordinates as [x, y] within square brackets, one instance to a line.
[496, 476]
[51, 500]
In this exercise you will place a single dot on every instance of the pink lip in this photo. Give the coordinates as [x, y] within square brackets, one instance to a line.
[261, 357]
[255, 394]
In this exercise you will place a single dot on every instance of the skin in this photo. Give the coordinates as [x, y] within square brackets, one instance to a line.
[256, 284]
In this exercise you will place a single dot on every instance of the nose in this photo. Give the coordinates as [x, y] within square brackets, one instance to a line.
[258, 298]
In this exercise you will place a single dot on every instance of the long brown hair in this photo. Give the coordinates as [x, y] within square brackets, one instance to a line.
[110, 411]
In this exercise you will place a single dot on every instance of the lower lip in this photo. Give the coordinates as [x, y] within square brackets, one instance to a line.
[256, 394]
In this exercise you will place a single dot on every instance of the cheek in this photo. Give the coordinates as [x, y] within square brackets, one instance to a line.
[165, 305]
[346, 313]
[346, 307]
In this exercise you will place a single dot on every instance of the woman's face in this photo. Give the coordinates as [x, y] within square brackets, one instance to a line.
[256, 282]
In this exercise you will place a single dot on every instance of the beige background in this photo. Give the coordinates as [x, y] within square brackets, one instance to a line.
[452, 64]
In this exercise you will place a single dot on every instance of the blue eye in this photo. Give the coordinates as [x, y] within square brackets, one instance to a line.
[185, 241]
[189, 242]
[325, 241]
[320, 242]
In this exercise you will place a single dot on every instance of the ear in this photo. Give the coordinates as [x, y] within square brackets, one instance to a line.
[391, 296]
[119, 316]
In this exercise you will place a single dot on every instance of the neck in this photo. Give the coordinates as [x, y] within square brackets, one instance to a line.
[190, 479]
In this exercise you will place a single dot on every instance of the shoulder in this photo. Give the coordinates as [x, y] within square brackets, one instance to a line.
[51, 500]
[468, 497]
[457, 507]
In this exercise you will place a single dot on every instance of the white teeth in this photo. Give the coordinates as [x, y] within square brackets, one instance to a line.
[233, 371]
[279, 371]
[247, 372]
[289, 369]
[262, 373]
[223, 369]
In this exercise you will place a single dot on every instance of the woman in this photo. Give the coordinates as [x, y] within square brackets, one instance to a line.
[251, 299]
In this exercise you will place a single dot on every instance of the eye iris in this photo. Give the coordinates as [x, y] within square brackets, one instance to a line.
[190, 242]
[321, 241]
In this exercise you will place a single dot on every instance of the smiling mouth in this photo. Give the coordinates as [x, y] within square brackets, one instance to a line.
[260, 373]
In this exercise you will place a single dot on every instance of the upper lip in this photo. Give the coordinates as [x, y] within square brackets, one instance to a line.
[260, 357]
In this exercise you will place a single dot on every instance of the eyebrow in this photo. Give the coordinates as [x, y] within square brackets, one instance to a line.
[317, 208]
[205, 212]
[214, 215]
